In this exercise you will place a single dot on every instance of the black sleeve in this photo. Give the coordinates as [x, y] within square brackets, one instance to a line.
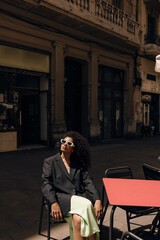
[89, 185]
[47, 186]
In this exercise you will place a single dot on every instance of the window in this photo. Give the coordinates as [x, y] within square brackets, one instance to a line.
[117, 3]
[8, 102]
[151, 29]
[151, 77]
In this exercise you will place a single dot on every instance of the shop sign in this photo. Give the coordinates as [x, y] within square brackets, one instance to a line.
[150, 86]
[23, 59]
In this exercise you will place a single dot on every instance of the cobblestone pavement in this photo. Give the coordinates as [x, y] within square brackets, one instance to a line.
[20, 175]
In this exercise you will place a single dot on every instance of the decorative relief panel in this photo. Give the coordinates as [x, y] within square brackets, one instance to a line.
[150, 86]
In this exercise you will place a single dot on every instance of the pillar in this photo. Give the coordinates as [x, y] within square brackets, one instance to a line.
[58, 126]
[130, 123]
[93, 95]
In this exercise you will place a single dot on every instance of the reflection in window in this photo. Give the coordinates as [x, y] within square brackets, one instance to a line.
[8, 102]
[117, 77]
[108, 76]
[117, 93]
[10, 86]
[107, 92]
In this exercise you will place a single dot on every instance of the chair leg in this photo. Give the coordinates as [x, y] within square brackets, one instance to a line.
[101, 221]
[48, 223]
[111, 223]
[155, 223]
[128, 222]
[41, 216]
[125, 235]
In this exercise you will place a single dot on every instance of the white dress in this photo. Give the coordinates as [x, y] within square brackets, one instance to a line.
[84, 208]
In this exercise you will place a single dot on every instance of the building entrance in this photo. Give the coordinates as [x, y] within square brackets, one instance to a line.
[76, 96]
[110, 96]
[154, 112]
[150, 112]
[29, 121]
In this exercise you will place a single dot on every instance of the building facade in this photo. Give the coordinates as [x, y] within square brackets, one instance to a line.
[147, 85]
[74, 65]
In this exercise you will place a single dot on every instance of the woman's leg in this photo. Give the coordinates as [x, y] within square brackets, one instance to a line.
[77, 227]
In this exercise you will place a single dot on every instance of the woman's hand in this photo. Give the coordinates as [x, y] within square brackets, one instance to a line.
[98, 209]
[56, 212]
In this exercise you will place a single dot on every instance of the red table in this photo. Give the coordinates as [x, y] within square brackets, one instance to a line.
[131, 192]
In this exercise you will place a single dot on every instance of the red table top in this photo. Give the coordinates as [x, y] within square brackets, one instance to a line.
[132, 192]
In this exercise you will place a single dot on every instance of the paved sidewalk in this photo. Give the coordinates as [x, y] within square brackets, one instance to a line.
[20, 179]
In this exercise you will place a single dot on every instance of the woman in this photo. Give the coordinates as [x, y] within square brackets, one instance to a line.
[64, 182]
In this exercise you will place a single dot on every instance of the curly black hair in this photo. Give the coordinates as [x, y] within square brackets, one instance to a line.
[81, 151]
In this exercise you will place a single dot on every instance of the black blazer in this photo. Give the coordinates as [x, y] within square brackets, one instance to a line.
[58, 185]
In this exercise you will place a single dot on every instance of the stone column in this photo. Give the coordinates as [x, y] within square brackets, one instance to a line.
[131, 123]
[58, 119]
[93, 98]
[51, 98]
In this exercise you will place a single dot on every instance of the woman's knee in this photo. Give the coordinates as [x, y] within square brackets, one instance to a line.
[76, 221]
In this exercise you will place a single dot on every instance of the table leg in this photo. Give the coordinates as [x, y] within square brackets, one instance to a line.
[111, 223]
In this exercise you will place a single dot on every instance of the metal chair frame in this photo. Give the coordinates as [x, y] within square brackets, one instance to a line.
[150, 172]
[131, 212]
[153, 173]
[45, 205]
[129, 234]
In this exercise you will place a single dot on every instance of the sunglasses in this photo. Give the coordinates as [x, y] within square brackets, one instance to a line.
[68, 143]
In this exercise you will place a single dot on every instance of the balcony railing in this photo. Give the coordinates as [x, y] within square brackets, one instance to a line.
[102, 13]
[114, 15]
[80, 3]
[104, 10]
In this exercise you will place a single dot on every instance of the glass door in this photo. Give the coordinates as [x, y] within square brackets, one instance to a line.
[29, 118]
[110, 102]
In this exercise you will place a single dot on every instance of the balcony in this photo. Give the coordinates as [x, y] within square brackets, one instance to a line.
[152, 45]
[95, 19]
[99, 15]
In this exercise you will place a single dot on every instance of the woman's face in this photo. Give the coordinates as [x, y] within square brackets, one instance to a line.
[67, 145]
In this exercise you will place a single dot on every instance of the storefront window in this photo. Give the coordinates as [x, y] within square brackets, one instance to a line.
[13, 88]
[8, 102]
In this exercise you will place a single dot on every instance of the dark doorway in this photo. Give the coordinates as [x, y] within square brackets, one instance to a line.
[73, 94]
[151, 29]
[110, 101]
[154, 112]
[150, 111]
[29, 118]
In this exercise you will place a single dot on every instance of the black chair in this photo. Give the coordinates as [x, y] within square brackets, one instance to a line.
[153, 173]
[131, 212]
[46, 206]
[129, 235]
[150, 172]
